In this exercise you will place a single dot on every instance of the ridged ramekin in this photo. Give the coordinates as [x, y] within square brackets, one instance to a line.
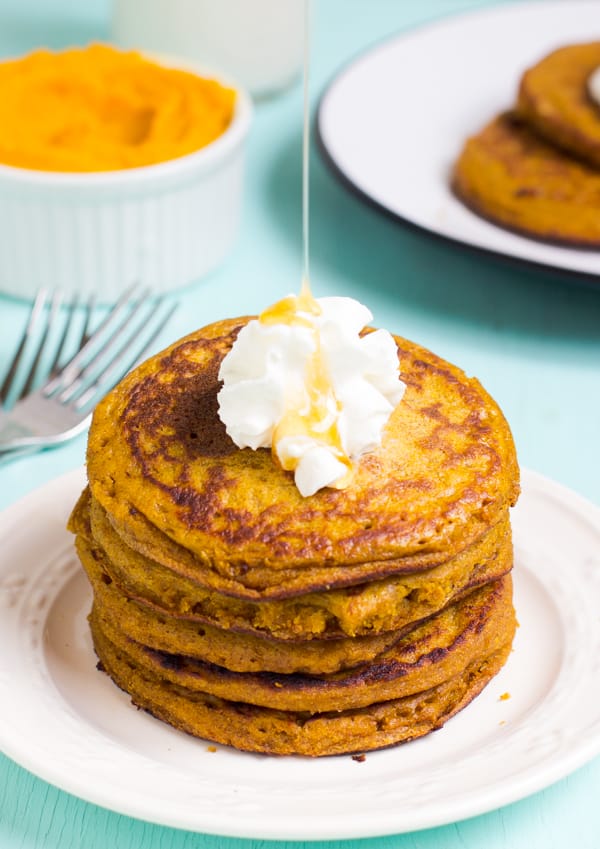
[163, 225]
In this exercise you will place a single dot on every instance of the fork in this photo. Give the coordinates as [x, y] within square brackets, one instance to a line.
[62, 406]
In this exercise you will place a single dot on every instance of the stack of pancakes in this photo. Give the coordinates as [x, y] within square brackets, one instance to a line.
[233, 608]
[536, 169]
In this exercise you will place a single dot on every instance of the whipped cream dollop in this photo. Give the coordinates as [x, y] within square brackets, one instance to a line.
[593, 85]
[302, 381]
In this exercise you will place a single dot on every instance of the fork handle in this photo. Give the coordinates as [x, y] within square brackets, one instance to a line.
[11, 433]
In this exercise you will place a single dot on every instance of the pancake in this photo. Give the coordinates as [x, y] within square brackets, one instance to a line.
[266, 730]
[239, 651]
[222, 647]
[554, 100]
[385, 605]
[162, 467]
[511, 176]
[233, 608]
[428, 655]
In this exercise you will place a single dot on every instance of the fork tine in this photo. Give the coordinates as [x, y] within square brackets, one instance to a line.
[72, 368]
[44, 419]
[49, 324]
[125, 359]
[60, 348]
[78, 381]
[85, 331]
[36, 309]
[82, 335]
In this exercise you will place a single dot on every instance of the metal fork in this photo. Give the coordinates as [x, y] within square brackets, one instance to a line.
[61, 407]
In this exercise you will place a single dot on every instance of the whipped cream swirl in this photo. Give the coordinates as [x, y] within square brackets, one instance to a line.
[311, 388]
[593, 86]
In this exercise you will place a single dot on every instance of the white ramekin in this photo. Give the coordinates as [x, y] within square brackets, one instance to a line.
[162, 225]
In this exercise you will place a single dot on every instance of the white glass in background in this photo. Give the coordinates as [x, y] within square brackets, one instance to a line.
[259, 43]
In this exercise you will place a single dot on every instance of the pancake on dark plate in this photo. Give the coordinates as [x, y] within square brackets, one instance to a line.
[555, 101]
[513, 177]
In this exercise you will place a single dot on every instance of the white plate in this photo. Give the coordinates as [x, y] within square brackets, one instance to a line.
[395, 119]
[67, 723]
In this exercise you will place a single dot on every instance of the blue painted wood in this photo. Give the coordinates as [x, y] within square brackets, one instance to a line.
[532, 339]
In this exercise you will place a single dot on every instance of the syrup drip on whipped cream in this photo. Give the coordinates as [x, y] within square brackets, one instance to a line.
[317, 418]
[293, 310]
[302, 380]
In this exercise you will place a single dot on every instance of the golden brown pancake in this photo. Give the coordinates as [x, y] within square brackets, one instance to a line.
[159, 460]
[426, 656]
[234, 609]
[385, 605]
[554, 100]
[238, 652]
[261, 729]
[508, 174]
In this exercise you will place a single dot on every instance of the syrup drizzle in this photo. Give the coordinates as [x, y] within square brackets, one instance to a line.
[316, 417]
[286, 311]
[305, 153]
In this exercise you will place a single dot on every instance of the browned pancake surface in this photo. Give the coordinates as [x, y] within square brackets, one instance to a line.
[236, 610]
[372, 608]
[270, 731]
[159, 458]
[513, 177]
[554, 100]
[429, 654]
[241, 652]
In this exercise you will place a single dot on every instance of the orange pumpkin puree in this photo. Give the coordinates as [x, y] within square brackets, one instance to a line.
[100, 109]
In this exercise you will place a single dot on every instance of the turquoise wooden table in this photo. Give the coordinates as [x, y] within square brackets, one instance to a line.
[532, 338]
